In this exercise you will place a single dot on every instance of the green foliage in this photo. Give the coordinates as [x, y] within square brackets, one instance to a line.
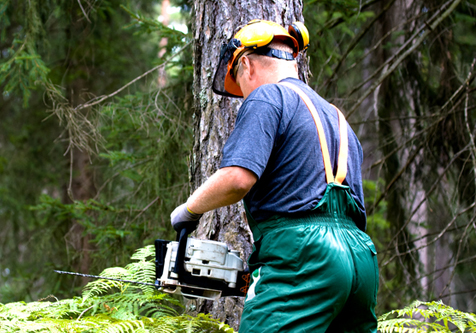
[110, 306]
[378, 227]
[24, 71]
[332, 26]
[58, 56]
[427, 317]
[143, 24]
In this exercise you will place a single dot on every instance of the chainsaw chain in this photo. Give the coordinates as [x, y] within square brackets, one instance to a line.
[106, 278]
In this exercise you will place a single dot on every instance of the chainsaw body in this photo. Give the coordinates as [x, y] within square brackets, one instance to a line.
[199, 269]
[193, 268]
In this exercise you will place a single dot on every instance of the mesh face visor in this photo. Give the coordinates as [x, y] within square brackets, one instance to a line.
[226, 54]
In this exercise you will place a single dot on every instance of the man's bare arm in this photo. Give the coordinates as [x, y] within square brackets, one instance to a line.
[225, 187]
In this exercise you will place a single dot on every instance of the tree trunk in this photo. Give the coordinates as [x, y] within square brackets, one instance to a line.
[81, 184]
[215, 23]
[390, 106]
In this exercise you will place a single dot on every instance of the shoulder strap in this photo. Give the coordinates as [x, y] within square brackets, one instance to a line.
[343, 149]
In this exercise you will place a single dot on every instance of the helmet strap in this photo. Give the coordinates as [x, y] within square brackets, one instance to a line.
[273, 53]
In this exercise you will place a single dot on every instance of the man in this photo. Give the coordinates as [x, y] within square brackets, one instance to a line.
[313, 267]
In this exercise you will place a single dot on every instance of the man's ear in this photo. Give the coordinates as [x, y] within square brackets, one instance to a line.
[247, 65]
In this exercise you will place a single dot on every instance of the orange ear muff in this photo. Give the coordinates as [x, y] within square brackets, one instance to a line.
[299, 31]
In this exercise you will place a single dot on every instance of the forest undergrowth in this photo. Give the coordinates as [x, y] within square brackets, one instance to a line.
[110, 306]
[117, 307]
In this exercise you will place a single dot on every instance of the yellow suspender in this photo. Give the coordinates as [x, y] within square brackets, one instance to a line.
[344, 142]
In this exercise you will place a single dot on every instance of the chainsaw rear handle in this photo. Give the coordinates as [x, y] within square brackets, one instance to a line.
[183, 230]
[182, 235]
[189, 226]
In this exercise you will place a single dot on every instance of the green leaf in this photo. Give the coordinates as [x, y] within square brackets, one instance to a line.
[132, 174]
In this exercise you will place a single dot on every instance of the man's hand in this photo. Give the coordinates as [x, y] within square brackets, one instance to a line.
[182, 217]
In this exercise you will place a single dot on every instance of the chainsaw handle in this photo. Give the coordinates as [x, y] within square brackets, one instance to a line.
[182, 236]
[188, 226]
[183, 230]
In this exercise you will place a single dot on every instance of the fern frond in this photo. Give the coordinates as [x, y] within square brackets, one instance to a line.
[409, 325]
[68, 325]
[144, 254]
[99, 287]
[125, 326]
[426, 316]
[28, 326]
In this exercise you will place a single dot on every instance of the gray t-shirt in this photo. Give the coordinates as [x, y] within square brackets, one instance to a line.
[276, 138]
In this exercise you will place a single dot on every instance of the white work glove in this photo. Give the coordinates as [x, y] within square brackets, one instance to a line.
[182, 218]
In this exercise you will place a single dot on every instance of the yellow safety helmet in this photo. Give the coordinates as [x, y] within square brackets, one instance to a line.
[256, 36]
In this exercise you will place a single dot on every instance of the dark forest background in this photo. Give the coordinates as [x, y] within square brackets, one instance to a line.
[97, 119]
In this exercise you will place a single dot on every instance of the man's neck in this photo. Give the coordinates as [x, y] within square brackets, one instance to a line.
[263, 75]
[285, 70]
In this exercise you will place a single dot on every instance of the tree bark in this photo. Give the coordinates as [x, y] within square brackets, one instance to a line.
[215, 23]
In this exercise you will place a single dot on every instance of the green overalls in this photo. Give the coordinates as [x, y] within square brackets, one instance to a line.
[318, 272]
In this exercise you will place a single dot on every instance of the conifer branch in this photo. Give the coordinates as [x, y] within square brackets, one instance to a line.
[100, 99]
[84, 12]
[355, 41]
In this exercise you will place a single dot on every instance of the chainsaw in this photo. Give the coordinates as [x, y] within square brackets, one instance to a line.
[194, 268]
